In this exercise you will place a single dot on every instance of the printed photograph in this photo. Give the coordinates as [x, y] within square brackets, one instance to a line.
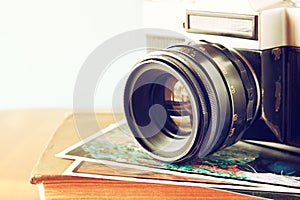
[245, 161]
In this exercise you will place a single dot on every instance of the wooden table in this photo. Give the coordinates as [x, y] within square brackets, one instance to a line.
[24, 135]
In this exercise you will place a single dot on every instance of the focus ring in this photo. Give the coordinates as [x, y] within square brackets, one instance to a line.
[245, 79]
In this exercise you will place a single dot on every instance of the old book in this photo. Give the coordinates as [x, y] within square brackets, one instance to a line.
[59, 178]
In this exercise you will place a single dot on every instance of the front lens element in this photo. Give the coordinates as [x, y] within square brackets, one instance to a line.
[164, 110]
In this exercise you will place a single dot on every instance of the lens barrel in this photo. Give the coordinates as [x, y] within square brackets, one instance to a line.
[190, 100]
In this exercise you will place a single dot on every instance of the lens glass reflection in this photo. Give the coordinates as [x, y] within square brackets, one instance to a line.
[178, 105]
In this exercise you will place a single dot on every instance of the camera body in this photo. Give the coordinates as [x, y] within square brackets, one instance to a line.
[274, 55]
[278, 72]
[246, 90]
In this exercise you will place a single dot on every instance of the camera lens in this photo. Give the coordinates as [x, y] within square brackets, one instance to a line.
[190, 100]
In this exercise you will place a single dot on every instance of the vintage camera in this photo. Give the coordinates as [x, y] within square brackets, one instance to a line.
[192, 99]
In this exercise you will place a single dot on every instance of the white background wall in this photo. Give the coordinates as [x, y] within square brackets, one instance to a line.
[44, 43]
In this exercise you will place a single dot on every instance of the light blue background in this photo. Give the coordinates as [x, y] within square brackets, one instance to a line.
[44, 43]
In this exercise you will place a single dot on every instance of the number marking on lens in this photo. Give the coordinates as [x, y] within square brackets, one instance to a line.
[233, 90]
[231, 133]
[235, 117]
[224, 71]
